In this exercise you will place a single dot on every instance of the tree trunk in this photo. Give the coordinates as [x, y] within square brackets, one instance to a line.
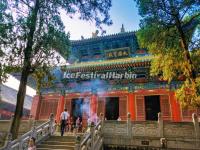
[20, 103]
[25, 72]
[184, 45]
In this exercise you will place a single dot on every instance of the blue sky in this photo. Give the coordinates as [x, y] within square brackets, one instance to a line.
[122, 12]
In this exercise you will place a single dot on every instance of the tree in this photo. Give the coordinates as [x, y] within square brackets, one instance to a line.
[170, 29]
[34, 32]
[5, 33]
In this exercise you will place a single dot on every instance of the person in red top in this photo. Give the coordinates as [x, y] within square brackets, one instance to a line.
[70, 124]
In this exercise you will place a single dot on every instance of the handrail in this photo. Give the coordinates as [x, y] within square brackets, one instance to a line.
[92, 138]
[98, 124]
[88, 135]
[39, 133]
[85, 139]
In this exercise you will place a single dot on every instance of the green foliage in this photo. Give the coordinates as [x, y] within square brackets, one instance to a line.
[31, 32]
[188, 94]
[5, 33]
[170, 31]
[33, 38]
[44, 78]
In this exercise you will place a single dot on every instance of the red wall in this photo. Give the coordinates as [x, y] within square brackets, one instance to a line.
[132, 102]
[43, 106]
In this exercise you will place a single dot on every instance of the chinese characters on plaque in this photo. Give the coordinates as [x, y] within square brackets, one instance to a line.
[118, 53]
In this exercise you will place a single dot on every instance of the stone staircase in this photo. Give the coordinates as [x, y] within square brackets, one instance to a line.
[56, 142]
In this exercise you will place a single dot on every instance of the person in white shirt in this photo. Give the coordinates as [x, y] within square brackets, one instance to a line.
[89, 122]
[119, 119]
[63, 117]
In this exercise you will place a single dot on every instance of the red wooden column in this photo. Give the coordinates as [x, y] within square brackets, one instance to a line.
[60, 108]
[140, 107]
[131, 105]
[165, 107]
[175, 106]
[36, 105]
[93, 105]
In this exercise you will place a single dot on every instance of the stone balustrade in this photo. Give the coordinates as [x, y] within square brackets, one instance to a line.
[25, 126]
[149, 134]
[152, 134]
[126, 134]
[92, 139]
[39, 133]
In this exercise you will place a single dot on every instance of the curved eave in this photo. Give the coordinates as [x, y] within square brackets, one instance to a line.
[143, 61]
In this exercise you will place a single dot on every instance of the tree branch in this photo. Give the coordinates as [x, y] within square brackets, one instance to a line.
[191, 19]
[26, 4]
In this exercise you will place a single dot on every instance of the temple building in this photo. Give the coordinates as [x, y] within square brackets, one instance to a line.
[111, 75]
[8, 97]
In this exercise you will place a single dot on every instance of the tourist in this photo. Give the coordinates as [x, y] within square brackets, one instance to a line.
[199, 117]
[95, 119]
[70, 124]
[89, 122]
[31, 144]
[78, 124]
[63, 117]
[119, 119]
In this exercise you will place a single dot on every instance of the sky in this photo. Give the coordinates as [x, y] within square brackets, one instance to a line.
[122, 12]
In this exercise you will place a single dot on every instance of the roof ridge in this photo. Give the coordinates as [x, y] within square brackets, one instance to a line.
[103, 36]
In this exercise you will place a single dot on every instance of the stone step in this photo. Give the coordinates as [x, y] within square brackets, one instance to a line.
[51, 149]
[62, 139]
[59, 142]
[55, 146]
[68, 136]
[57, 139]
[56, 142]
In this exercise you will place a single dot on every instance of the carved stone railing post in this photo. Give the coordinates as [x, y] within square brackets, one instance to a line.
[33, 131]
[8, 141]
[77, 145]
[51, 123]
[160, 125]
[30, 121]
[102, 125]
[20, 143]
[102, 119]
[129, 128]
[92, 134]
[196, 129]
[10, 125]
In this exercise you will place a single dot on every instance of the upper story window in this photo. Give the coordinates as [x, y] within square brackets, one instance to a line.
[116, 45]
[141, 75]
[96, 51]
[125, 43]
[107, 46]
[84, 52]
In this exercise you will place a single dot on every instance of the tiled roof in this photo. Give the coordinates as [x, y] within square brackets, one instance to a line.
[10, 95]
[110, 62]
[31, 81]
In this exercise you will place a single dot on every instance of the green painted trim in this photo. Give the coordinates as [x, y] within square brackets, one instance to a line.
[110, 62]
